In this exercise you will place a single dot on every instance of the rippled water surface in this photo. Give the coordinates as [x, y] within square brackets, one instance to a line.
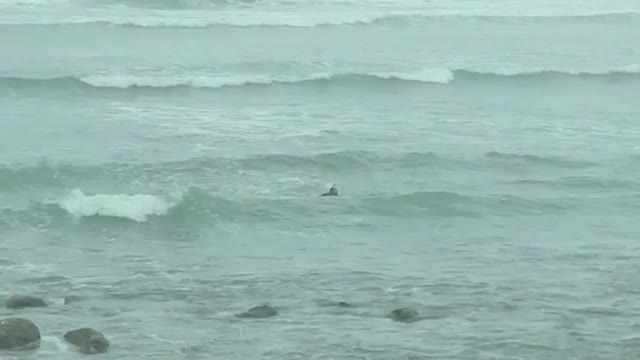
[161, 164]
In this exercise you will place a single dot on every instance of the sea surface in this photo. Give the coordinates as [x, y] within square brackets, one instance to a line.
[161, 163]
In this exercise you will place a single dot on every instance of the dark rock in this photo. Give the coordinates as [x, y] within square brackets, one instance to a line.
[344, 304]
[18, 334]
[88, 341]
[24, 301]
[262, 311]
[404, 315]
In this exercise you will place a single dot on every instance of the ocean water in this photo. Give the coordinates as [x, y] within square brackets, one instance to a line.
[161, 161]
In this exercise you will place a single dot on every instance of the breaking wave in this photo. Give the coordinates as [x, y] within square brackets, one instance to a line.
[217, 81]
[136, 207]
[198, 205]
[199, 200]
[292, 18]
[57, 176]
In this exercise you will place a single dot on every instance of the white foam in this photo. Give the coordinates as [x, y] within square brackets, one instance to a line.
[135, 207]
[163, 79]
[54, 342]
[441, 76]
[519, 70]
[31, 3]
[289, 19]
[195, 80]
[298, 14]
[29, 269]
[200, 19]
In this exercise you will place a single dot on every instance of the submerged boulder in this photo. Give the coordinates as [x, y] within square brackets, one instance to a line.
[88, 341]
[24, 301]
[404, 315]
[262, 311]
[18, 334]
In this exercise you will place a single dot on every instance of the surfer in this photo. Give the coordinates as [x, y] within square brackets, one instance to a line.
[332, 192]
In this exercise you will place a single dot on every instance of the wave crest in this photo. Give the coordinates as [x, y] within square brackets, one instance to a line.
[222, 80]
[200, 206]
[265, 17]
[194, 81]
[214, 81]
[529, 159]
[133, 207]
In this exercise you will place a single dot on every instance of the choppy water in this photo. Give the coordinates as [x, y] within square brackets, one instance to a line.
[163, 160]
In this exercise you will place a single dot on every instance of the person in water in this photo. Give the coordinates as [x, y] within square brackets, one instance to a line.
[332, 192]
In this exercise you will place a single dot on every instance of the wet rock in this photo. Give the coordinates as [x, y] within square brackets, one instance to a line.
[404, 315]
[25, 301]
[262, 311]
[18, 334]
[87, 340]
